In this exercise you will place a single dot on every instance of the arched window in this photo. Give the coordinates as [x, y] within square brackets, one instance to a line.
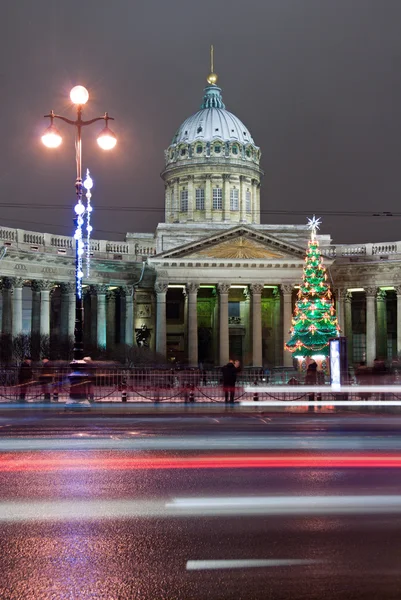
[217, 149]
[199, 149]
[234, 150]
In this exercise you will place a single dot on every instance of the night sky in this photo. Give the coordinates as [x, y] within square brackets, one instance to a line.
[317, 82]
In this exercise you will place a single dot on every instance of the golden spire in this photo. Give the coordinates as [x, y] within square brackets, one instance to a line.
[212, 77]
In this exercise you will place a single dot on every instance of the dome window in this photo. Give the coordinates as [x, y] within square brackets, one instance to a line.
[216, 129]
[199, 149]
[235, 150]
[248, 153]
[217, 149]
[200, 129]
[183, 151]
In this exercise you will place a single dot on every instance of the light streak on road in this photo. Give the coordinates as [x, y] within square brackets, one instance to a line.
[207, 565]
[62, 462]
[82, 510]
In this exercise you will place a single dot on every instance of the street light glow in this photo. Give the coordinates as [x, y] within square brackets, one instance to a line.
[51, 137]
[79, 95]
[107, 139]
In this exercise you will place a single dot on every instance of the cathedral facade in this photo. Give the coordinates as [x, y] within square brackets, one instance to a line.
[211, 282]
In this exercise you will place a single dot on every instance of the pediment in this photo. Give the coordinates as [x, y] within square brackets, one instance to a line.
[239, 243]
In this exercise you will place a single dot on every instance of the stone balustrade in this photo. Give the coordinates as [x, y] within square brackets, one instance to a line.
[61, 244]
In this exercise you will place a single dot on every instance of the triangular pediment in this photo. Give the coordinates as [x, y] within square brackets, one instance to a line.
[238, 243]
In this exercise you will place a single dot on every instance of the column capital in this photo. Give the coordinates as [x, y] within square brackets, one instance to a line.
[127, 291]
[7, 283]
[99, 289]
[226, 177]
[370, 291]
[381, 295]
[192, 287]
[223, 288]
[19, 282]
[287, 288]
[111, 294]
[67, 287]
[256, 288]
[398, 289]
[347, 296]
[42, 285]
[161, 287]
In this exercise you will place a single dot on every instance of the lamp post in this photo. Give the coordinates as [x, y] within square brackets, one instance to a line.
[106, 140]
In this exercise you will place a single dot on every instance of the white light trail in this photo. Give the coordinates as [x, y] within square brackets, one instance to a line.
[207, 565]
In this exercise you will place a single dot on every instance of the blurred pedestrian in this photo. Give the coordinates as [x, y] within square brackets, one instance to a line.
[25, 377]
[230, 371]
[46, 379]
[311, 379]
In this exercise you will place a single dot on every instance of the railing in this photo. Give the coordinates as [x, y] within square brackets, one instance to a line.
[48, 242]
[161, 385]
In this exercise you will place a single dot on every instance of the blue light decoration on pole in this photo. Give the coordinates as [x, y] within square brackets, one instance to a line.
[88, 185]
[51, 138]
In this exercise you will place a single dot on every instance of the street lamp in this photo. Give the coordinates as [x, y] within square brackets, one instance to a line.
[52, 139]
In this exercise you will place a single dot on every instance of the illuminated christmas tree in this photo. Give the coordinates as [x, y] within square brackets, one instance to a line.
[314, 322]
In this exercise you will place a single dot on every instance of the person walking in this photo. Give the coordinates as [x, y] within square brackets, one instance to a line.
[46, 379]
[230, 371]
[25, 376]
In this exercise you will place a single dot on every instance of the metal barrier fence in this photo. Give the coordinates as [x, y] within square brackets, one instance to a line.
[157, 385]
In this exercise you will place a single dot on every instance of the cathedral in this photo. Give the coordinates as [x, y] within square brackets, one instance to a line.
[211, 282]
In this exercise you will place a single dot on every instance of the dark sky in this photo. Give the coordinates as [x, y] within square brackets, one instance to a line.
[317, 82]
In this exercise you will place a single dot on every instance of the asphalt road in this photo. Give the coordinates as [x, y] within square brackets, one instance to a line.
[168, 506]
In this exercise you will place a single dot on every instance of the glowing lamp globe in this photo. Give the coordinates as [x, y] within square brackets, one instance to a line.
[107, 139]
[51, 137]
[79, 95]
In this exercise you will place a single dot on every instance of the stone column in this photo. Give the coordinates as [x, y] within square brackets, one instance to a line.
[7, 312]
[242, 195]
[35, 313]
[67, 309]
[176, 205]
[208, 197]
[255, 205]
[256, 291]
[161, 288]
[45, 288]
[110, 318]
[340, 310]
[398, 292]
[381, 329]
[226, 199]
[370, 325]
[286, 290]
[224, 352]
[129, 293]
[192, 293]
[17, 307]
[348, 325]
[101, 336]
[191, 198]
[277, 329]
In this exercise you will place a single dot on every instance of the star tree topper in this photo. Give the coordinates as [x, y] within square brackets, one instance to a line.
[314, 225]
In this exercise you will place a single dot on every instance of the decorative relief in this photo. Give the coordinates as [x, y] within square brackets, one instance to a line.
[381, 295]
[143, 311]
[241, 248]
[19, 282]
[20, 267]
[49, 270]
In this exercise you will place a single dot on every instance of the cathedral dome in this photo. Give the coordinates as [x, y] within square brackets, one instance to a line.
[212, 171]
[213, 122]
